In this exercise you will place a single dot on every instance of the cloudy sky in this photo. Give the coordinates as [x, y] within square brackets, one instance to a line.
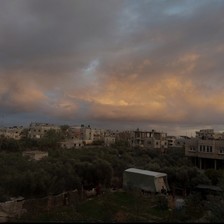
[148, 64]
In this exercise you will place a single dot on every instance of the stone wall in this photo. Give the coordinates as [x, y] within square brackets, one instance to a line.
[15, 208]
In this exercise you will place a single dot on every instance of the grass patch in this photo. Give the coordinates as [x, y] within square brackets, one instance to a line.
[109, 207]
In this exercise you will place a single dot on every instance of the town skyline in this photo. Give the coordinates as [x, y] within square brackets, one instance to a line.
[117, 64]
[132, 128]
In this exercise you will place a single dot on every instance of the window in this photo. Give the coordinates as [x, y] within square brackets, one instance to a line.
[210, 149]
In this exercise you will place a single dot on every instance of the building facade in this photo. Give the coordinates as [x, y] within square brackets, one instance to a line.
[72, 143]
[15, 132]
[38, 130]
[149, 139]
[171, 141]
[206, 150]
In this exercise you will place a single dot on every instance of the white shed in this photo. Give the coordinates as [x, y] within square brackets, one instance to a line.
[146, 180]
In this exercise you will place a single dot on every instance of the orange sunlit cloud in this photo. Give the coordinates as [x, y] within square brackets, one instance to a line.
[147, 62]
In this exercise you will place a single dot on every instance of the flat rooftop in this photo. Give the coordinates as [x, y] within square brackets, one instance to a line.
[146, 172]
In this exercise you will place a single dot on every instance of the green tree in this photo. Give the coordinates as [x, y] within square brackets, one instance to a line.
[51, 139]
[9, 144]
[103, 172]
[215, 203]
[213, 175]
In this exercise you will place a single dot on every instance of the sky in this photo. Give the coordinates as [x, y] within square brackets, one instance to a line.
[119, 64]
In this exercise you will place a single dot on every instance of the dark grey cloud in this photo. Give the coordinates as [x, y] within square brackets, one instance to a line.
[36, 32]
[102, 60]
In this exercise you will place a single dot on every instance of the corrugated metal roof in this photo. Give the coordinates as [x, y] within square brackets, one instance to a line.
[146, 172]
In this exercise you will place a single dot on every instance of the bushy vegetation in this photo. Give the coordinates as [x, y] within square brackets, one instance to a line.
[65, 170]
[69, 169]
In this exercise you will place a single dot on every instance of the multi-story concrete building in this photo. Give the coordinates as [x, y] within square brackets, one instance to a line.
[72, 143]
[74, 132]
[171, 141]
[108, 137]
[15, 132]
[123, 136]
[181, 141]
[206, 150]
[37, 130]
[98, 134]
[86, 134]
[149, 139]
[205, 134]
